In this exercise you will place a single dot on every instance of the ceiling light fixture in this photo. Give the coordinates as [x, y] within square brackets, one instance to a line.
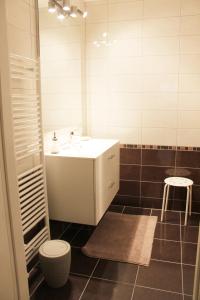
[64, 9]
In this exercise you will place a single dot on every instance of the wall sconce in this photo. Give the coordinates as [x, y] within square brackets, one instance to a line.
[64, 9]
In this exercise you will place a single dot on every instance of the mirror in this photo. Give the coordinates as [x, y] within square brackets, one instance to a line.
[61, 51]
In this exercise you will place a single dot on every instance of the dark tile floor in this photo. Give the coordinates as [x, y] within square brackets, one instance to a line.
[169, 277]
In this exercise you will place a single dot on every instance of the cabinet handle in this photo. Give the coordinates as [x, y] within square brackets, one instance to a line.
[111, 185]
[111, 156]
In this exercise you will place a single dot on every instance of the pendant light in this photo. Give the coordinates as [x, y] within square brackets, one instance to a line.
[65, 9]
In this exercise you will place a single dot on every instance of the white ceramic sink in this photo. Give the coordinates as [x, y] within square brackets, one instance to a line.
[91, 148]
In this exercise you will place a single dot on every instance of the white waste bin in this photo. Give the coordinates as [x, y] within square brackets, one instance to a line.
[55, 259]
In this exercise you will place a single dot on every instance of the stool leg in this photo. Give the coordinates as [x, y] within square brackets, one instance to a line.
[187, 205]
[167, 197]
[190, 209]
[163, 203]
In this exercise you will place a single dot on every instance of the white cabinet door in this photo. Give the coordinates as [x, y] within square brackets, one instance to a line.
[70, 189]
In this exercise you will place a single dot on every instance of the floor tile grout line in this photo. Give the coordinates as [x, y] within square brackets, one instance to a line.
[190, 226]
[166, 261]
[158, 209]
[167, 223]
[173, 241]
[113, 281]
[161, 290]
[171, 262]
[135, 283]
[64, 231]
[189, 265]
[188, 295]
[89, 279]
[182, 283]
[176, 241]
[78, 274]
[75, 235]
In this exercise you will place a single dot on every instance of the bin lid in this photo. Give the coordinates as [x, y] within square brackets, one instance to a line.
[54, 248]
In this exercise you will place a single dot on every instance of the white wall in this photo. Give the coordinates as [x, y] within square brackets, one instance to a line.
[61, 52]
[146, 87]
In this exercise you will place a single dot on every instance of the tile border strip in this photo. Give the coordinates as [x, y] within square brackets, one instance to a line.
[159, 147]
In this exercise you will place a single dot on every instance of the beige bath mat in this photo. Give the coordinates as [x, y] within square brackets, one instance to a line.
[122, 237]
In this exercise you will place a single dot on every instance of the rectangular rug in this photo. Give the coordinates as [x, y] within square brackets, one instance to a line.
[123, 237]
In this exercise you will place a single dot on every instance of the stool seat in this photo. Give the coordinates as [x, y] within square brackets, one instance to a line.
[178, 181]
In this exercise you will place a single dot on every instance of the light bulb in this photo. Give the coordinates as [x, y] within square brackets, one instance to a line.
[66, 5]
[51, 7]
[73, 12]
[61, 14]
[81, 13]
[85, 14]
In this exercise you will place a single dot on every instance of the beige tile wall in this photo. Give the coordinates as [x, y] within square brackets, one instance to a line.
[145, 88]
[60, 43]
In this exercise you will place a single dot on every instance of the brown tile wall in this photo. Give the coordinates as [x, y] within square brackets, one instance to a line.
[143, 170]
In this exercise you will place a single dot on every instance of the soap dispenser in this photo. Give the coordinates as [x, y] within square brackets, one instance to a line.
[55, 144]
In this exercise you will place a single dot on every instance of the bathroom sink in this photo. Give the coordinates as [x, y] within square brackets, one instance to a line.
[91, 148]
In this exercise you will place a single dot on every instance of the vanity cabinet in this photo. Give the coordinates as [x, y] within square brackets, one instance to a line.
[81, 183]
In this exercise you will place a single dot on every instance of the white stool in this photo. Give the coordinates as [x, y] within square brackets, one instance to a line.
[178, 182]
